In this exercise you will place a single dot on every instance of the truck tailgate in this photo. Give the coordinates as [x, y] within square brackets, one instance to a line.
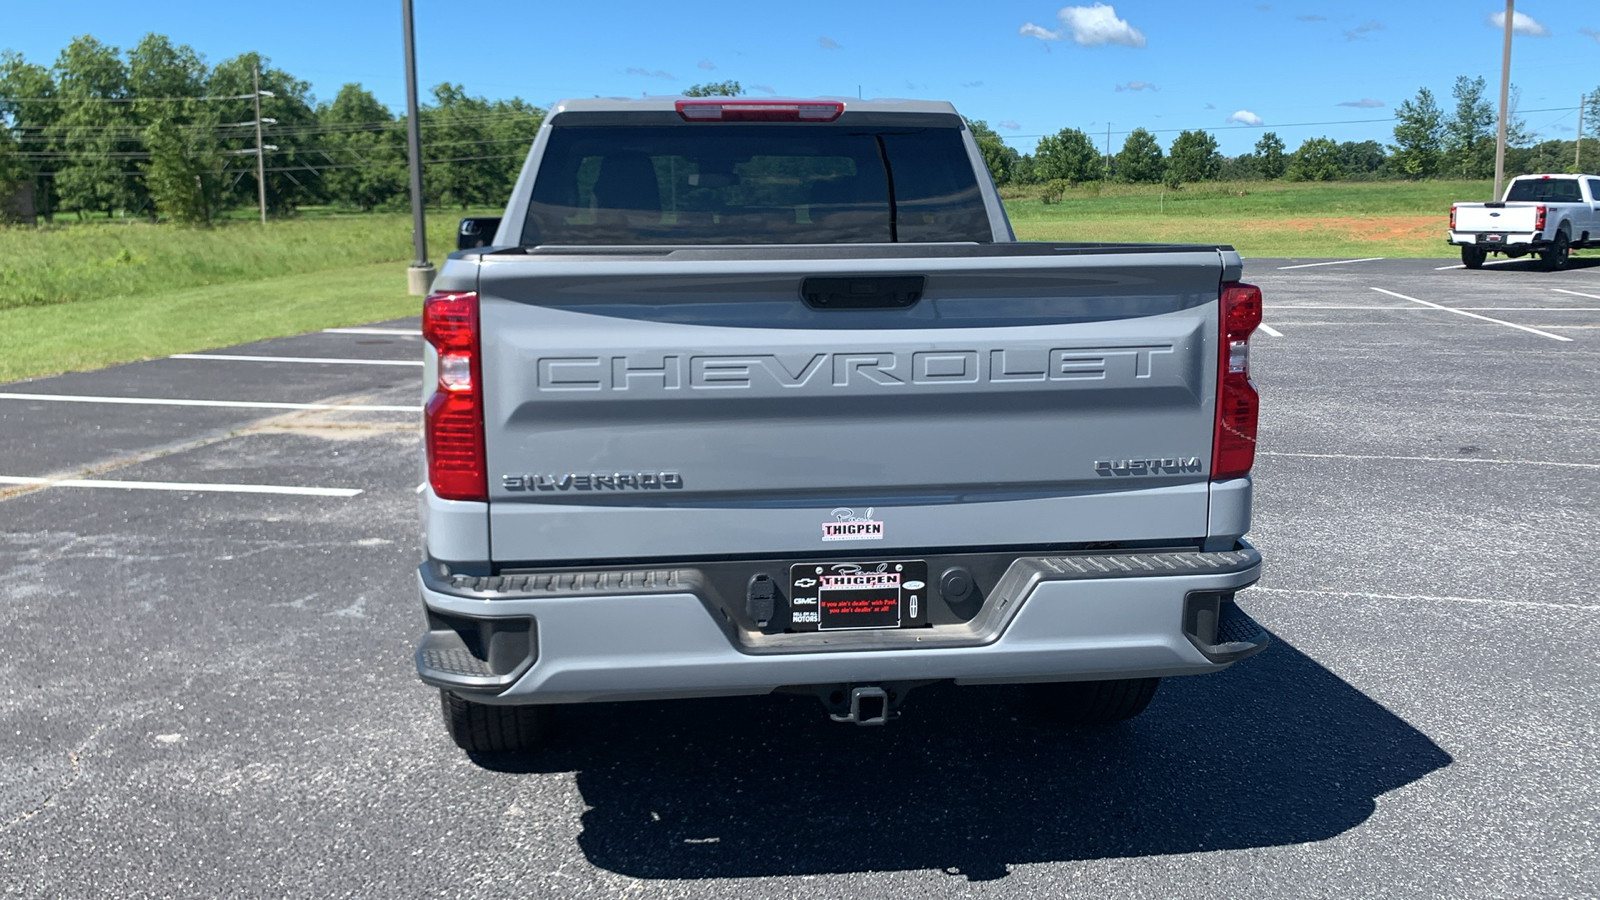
[635, 407]
[1511, 217]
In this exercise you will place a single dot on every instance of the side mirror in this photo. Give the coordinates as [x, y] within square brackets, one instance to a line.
[476, 232]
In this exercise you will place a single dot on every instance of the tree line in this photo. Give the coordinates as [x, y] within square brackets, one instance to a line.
[157, 132]
[1429, 142]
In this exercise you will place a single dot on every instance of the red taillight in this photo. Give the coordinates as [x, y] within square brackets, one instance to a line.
[453, 416]
[760, 110]
[1233, 448]
[1452, 218]
[1538, 218]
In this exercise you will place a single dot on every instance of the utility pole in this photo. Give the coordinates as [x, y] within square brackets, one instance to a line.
[1577, 153]
[1505, 90]
[419, 275]
[1108, 151]
[261, 166]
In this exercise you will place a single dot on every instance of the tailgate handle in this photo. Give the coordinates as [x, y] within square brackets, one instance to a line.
[863, 292]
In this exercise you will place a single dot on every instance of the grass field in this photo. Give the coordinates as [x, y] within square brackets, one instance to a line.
[80, 296]
[1288, 219]
[94, 261]
[43, 340]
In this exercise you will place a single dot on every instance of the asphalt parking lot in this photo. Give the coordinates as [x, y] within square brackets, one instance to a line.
[208, 610]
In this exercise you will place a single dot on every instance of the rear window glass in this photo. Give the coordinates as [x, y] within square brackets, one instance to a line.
[754, 184]
[1552, 190]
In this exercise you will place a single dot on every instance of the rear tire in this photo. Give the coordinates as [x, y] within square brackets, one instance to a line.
[1555, 259]
[481, 728]
[1473, 257]
[1093, 702]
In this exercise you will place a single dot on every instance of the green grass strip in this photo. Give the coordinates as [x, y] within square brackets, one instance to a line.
[89, 334]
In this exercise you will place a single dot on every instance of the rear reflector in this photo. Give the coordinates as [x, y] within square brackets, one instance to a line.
[1233, 448]
[453, 416]
[760, 110]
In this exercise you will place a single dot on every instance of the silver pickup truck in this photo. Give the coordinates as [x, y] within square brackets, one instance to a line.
[746, 397]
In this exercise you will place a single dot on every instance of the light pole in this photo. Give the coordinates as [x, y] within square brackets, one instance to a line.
[419, 275]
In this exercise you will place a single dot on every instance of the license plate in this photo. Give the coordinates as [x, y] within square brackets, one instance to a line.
[1491, 238]
[858, 595]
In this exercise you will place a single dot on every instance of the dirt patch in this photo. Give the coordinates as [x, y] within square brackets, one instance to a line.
[1362, 228]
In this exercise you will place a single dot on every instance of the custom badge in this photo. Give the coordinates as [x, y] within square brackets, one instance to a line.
[847, 526]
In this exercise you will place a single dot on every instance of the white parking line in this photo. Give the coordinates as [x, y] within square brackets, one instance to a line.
[1495, 601]
[1491, 262]
[1270, 330]
[1337, 262]
[301, 359]
[185, 486]
[1478, 308]
[1553, 337]
[1448, 459]
[406, 332]
[1576, 293]
[222, 404]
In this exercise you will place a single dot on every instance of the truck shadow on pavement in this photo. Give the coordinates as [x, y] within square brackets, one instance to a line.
[1277, 750]
[1533, 264]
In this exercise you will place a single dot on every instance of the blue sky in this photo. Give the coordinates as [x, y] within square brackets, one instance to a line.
[1028, 68]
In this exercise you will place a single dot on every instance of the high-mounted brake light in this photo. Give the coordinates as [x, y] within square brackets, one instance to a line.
[1538, 218]
[760, 110]
[1233, 448]
[1452, 217]
[453, 416]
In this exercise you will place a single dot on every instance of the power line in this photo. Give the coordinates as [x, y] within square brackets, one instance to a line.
[47, 132]
[145, 154]
[1265, 125]
[119, 99]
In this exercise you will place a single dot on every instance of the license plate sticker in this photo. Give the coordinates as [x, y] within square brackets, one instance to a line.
[858, 595]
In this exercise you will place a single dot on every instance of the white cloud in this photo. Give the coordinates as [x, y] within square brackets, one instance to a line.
[1210, 106]
[1591, 33]
[1088, 26]
[1137, 86]
[1361, 31]
[1009, 125]
[1245, 117]
[762, 88]
[827, 43]
[635, 70]
[1521, 23]
[972, 84]
[1363, 103]
[706, 64]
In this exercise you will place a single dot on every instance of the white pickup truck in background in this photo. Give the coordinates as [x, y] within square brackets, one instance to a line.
[1551, 215]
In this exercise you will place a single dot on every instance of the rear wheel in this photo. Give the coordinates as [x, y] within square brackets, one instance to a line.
[481, 728]
[1473, 257]
[1555, 259]
[1093, 702]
